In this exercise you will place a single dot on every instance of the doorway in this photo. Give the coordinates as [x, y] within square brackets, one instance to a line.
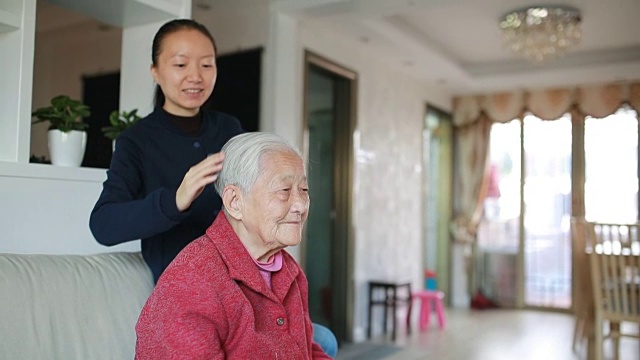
[329, 112]
[102, 94]
[237, 90]
[437, 180]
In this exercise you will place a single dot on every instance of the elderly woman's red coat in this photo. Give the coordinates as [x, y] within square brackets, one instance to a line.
[212, 303]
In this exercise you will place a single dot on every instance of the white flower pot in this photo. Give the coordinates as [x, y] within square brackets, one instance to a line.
[67, 148]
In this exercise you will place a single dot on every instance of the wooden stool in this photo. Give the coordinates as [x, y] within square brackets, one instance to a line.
[430, 299]
[391, 300]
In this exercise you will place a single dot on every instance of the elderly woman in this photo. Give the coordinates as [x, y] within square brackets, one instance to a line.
[233, 293]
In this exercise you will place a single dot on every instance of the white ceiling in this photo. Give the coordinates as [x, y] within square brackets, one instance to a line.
[457, 44]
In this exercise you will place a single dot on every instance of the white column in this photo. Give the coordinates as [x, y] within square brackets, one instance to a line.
[281, 100]
[16, 60]
[136, 83]
[282, 80]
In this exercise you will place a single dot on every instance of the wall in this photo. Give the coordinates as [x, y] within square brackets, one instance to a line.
[387, 194]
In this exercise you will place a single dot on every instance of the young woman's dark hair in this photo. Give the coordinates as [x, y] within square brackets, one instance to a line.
[169, 28]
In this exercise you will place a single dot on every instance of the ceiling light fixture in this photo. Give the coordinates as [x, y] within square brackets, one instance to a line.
[540, 33]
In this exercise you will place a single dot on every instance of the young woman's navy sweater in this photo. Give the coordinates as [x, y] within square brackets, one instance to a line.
[138, 200]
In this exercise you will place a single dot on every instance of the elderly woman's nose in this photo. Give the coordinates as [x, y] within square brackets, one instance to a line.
[299, 201]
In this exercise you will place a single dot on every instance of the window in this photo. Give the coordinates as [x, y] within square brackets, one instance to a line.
[611, 167]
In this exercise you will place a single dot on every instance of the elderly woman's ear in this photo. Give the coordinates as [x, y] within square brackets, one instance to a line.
[232, 201]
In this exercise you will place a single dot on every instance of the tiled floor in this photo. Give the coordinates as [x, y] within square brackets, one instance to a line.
[489, 335]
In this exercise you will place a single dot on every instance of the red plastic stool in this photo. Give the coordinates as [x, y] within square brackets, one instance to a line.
[429, 299]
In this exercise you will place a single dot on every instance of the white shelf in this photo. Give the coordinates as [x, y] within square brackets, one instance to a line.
[50, 172]
[125, 13]
[9, 21]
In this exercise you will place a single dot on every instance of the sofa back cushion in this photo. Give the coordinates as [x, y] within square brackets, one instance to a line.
[71, 306]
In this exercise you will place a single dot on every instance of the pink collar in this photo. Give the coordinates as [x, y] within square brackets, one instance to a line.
[272, 265]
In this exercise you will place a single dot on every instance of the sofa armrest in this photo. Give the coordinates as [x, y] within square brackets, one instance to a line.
[71, 306]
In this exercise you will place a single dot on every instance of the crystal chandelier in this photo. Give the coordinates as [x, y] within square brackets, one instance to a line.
[540, 33]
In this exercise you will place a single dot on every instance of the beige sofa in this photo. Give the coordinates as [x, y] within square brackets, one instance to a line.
[71, 306]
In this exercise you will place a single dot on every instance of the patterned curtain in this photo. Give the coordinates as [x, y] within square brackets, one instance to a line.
[472, 119]
[470, 163]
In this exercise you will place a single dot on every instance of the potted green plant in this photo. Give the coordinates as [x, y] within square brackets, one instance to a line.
[120, 122]
[67, 138]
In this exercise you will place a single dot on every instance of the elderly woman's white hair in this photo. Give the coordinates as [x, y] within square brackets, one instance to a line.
[242, 155]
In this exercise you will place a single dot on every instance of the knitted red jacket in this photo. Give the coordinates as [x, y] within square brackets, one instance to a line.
[212, 303]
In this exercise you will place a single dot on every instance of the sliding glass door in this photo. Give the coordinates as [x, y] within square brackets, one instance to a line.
[547, 212]
[524, 252]
[524, 255]
[499, 230]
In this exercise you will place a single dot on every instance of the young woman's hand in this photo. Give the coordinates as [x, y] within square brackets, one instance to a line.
[198, 176]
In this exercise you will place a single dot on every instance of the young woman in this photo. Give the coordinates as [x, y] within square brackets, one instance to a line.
[159, 185]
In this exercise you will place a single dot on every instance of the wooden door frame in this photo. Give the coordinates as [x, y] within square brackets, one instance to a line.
[343, 188]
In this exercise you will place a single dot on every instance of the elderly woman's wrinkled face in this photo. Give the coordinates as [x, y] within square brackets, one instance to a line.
[277, 204]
